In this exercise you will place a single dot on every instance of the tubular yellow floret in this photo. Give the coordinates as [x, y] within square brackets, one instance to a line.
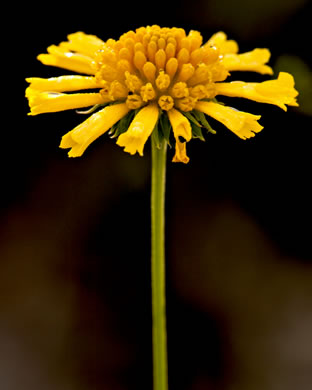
[186, 72]
[133, 82]
[151, 51]
[166, 102]
[160, 59]
[139, 60]
[170, 51]
[183, 56]
[196, 56]
[149, 70]
[179, 90]
[186, 104]
[162, 81]
[171, 67]
[148, 92]
[117, 90]
[134, 101]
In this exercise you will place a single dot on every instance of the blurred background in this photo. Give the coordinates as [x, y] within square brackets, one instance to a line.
[75, 236]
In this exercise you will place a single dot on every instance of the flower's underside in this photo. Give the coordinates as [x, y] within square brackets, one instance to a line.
[148, 74]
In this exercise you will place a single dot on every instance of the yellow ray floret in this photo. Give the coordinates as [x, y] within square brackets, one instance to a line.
[181, 128]
[180, 124]
[97, 124]
[62, 83]
[278, 92]
[62, 58]
[254, 61]
[243, 124]
[42, 102]
[134, 139]
[83, 43]
[220, 41]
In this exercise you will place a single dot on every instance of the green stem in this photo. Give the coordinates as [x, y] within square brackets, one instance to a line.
[160, 370]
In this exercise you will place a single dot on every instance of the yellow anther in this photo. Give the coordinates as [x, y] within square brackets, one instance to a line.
[171, 67]
[199, 92]
[202, 74]
[149, 70]
[186, 104]
[197, 56]
[166, 102]
[151, 50]
[124, 54]
[179, 90]
[160, 59]
[134, 101]
[183, 56]
[117, 90]
[161, 43]
[162, 81]
[186, 72]
[170, 51]
[133, 82]
[211, 54]
[147, 92]
[139, 60]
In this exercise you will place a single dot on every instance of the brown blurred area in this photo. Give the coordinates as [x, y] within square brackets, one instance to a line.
[75, 235]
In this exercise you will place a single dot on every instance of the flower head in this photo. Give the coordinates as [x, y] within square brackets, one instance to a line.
[154, 81]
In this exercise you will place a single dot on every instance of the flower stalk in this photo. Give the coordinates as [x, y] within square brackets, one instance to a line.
[160, 370]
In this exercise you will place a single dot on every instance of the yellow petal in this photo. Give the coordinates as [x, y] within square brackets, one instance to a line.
[61, 58]
[254, 61]
[180, 152]
[220, 41]
[97, 124]
[243, 124]
[41, 102]
[62, 83]
[134, 139]
[83, 43]
[278, 92]
[180, 124]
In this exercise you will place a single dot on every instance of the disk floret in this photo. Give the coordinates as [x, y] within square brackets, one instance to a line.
[162, 65]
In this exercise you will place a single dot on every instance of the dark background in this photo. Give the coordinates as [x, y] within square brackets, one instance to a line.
[75, 236]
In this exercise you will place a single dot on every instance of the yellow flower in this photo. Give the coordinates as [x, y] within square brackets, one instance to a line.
[151, 81]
